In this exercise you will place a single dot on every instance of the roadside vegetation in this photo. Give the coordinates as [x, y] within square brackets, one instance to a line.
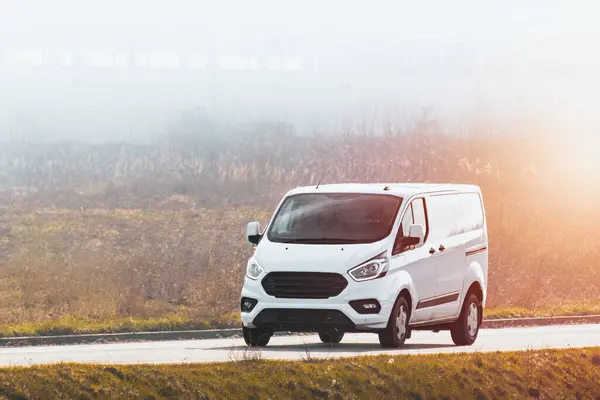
[557, 374]
[547, 310]
[72, 325]
[108, 238]
[184, 320]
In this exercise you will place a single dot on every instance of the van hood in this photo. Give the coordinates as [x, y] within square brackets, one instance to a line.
[314, 257]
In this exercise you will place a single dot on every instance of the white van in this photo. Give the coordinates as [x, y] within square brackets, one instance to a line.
[381, 258]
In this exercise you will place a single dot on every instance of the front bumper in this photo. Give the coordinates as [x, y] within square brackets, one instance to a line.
[307, 315]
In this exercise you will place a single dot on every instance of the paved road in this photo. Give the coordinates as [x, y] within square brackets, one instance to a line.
[297, 347]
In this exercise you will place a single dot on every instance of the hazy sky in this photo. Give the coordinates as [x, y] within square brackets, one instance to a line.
[144, 62]
[41, 21]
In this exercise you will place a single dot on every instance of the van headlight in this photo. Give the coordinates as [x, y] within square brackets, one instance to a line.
[254, 270]
[374, 268]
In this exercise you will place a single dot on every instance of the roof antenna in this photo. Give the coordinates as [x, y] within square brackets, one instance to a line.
[320, 179]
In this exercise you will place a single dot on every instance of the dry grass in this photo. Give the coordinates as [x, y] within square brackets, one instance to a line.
[73, 271]
[102, 235]
[73, 325]
[102, 266]
[186, 319]
[547, 310]
[560, 374]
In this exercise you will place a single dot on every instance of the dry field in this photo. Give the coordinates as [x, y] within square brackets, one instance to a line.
[121, 237]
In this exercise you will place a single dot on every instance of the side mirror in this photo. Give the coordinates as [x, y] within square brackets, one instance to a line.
[253, 235]
[416, 235]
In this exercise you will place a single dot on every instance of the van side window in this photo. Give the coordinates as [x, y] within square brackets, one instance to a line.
[407, 221]
[472, 211]
[419, 215]
[444, 213]
[415, 214]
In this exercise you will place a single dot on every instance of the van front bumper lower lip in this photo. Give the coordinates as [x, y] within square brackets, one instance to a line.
[345, 311]
[302, 320]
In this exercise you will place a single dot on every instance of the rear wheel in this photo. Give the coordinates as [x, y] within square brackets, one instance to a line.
[256, 337]
[397, 330]
[466, 328]
[331, 336]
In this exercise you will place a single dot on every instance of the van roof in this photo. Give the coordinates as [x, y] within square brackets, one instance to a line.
[398, 189]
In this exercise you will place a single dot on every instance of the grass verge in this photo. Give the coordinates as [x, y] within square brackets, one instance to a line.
[551, 374]
[591, 307]
[73, 325]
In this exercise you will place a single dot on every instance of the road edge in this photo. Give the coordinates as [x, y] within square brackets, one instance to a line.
[61, 340]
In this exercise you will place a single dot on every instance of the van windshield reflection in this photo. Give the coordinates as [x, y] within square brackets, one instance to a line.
[334, 218]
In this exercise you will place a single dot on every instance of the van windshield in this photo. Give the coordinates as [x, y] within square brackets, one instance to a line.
[334, 218]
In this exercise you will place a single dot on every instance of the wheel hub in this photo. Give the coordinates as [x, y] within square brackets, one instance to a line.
[401, 323]
[473, 319]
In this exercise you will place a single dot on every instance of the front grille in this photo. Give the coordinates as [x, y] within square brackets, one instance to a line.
[304, 285]
[304, 319]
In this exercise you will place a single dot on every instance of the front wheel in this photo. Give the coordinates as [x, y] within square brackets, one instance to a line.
[255, 337]
[466, 328]
[397, 330]
[331, 336]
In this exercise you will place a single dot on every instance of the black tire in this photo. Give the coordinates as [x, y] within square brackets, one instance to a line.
[462, 332]
[255, 337]
[392, 336]
[331, 336]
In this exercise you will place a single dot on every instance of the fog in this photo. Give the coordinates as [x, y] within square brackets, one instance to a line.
[127, 71]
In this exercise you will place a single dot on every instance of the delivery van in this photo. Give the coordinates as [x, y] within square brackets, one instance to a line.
[382, 258]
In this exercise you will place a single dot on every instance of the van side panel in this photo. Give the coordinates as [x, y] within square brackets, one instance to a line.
[448, 243]
[402, 280]
[473, 222]
[475, 231]
[416, 272]
[475, 273]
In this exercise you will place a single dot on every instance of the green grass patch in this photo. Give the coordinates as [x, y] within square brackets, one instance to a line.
[591, 307]
[71, 325]
[550, 374]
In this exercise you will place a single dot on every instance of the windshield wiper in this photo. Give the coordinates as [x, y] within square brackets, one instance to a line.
[322, 240]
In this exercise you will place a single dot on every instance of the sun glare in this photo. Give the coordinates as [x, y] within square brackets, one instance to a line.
[581, 162]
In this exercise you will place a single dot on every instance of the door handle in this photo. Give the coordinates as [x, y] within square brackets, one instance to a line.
[442, 248]
[432, 251]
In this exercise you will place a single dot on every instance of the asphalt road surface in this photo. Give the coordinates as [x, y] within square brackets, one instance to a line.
[300, 347]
